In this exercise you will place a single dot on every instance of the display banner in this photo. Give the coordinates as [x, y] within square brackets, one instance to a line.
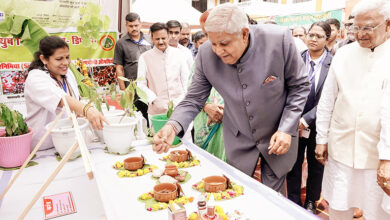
[57, 17]
[307, 19]
[12, 52]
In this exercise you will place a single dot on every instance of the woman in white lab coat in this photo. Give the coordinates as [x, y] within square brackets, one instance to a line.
[47, 81]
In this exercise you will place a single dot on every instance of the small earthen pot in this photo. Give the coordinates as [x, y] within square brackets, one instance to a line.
[214, 183]
[134, 163]
[178, 155]
[171, 170]
[164, 192]
[205, 217]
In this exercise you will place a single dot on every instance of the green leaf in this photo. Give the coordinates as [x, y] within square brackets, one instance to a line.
[142, 95]
[123, 78]
[170, 109]
[123, 101]
[13, 121]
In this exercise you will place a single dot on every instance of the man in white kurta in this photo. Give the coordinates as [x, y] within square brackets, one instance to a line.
[383, 173]
[348, 123]
[174, 33]
[165, 72]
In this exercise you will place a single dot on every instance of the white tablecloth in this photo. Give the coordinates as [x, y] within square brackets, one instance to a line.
[71, 178]
[116, 198]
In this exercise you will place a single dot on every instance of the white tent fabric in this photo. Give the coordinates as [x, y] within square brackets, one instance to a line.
[152, 11]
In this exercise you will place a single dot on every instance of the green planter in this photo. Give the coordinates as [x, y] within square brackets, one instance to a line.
[158, 121]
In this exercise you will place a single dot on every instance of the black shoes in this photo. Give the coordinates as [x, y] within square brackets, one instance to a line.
[310, 206]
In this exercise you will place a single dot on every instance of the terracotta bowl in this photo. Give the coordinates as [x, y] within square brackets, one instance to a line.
[171, 170]
[214, 183]
[164, 192]
[204, 217]
[133, 163]
[178, 155]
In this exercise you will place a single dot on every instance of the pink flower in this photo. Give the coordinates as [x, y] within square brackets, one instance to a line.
[149, 209]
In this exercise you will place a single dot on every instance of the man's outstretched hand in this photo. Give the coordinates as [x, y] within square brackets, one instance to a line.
[163, 139]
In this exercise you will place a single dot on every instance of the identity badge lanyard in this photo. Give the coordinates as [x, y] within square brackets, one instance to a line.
[316, 67]
[137, 42]
[64, 85]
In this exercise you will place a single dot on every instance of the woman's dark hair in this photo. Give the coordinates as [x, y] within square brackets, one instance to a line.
[47, 46]
[324, 25]
[158, 26]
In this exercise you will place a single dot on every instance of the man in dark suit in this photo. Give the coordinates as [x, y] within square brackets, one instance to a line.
[258, 72]
[317, 60]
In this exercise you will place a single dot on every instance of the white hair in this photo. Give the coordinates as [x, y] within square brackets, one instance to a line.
[227, 18]
[364, 6]
[185, 25]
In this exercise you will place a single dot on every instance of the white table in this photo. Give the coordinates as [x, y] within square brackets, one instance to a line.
[119, 195]
[71, 178]
[116, 198]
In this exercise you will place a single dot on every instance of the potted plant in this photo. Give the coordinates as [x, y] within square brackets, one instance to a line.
[119, 134]
[96, 96]
[15, 138]
[158, 121]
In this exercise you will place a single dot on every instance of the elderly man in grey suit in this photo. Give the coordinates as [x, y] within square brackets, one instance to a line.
[261, 77]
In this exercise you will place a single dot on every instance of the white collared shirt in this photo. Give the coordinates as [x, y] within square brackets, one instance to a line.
[188, 55]
[165, 75]
[43, 94]
[317, 71]
[317, 76]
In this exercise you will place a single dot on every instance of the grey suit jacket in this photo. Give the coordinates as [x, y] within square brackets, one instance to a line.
[253, 110]
[310, 116]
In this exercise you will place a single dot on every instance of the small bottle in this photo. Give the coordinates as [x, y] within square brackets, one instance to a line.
[201, 205]
[211, 207]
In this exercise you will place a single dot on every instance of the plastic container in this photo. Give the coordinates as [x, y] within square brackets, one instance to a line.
[14, 150]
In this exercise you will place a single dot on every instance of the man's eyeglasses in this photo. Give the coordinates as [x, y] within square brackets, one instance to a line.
[366, 29]
[318, 36]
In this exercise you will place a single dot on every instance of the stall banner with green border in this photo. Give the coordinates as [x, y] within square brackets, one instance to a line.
[307, 19]
[12, 52]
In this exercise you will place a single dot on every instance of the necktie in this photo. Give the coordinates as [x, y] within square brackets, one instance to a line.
[312, 64]
[311, 98]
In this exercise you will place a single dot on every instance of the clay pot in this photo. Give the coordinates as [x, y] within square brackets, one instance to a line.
[205, 217]
[164, 192]
[178, 155]
[171, 170]
[133, 163]
[214, 183]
